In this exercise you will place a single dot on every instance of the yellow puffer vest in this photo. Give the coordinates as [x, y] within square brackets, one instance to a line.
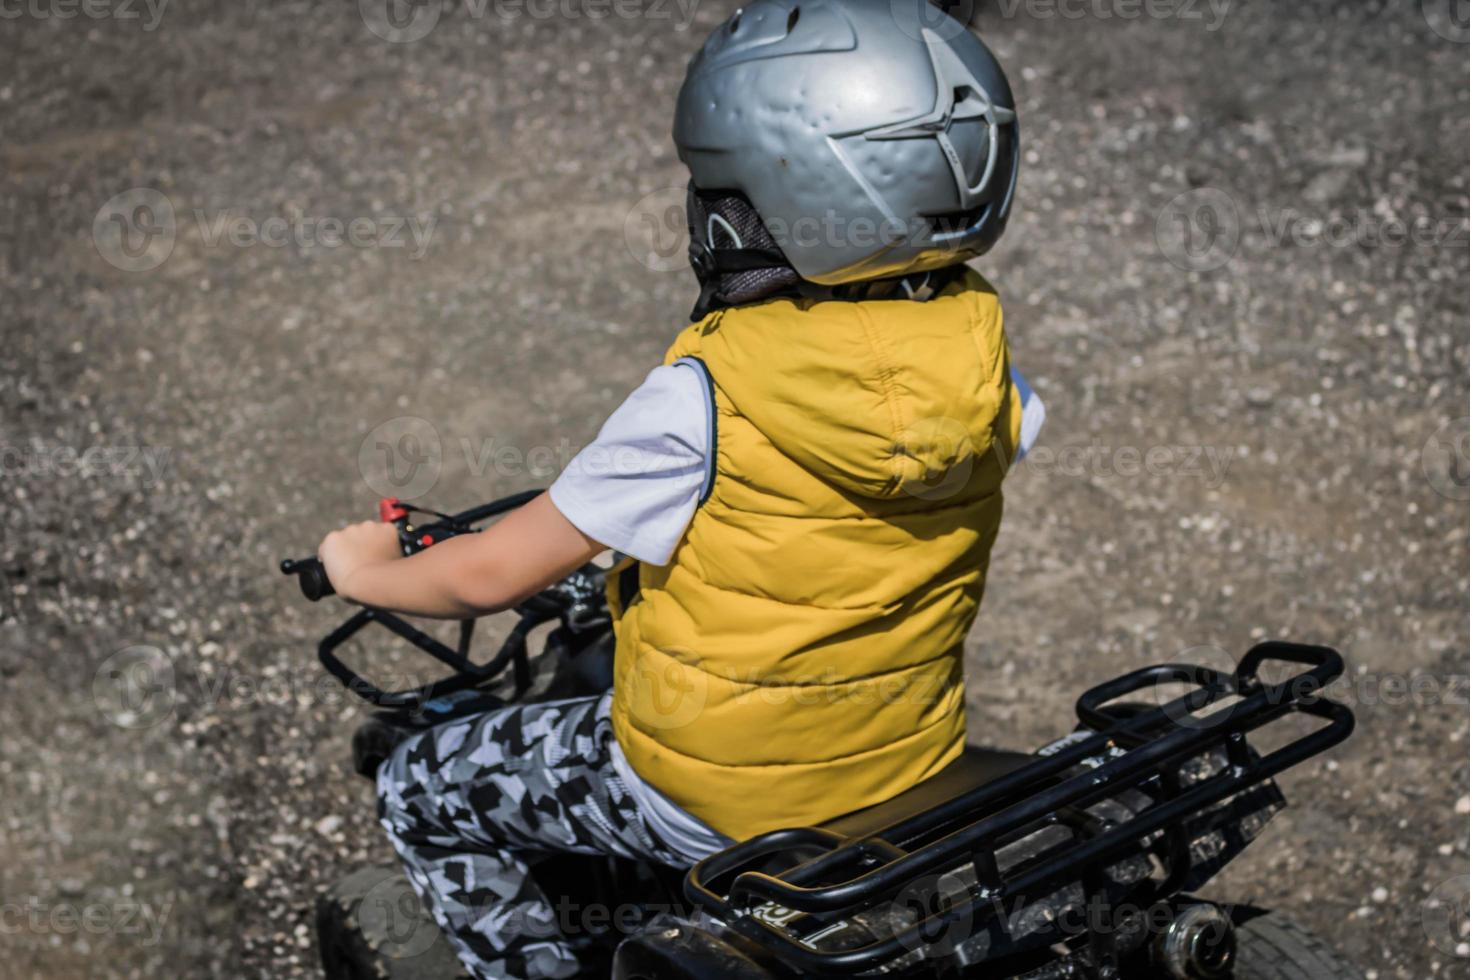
[800, 656]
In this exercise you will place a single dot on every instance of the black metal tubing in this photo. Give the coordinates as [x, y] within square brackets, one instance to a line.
[976, 822]
[496, 507]
[467, 674]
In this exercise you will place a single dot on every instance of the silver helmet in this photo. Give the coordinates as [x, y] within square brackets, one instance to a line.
[875, 138]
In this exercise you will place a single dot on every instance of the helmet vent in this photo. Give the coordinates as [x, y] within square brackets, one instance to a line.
[735, 22]
[957, 223]
[791, 21]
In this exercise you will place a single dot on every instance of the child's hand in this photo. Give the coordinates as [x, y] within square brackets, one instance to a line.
[346, 551]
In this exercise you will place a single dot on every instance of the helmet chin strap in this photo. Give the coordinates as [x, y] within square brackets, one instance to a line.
[712, 265]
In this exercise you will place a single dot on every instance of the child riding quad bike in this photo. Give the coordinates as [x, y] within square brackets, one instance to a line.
[768, 687]
[1082, 860]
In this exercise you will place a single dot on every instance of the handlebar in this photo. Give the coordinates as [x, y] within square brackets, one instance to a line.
[315, 585]
[313, 577]
[577, 602]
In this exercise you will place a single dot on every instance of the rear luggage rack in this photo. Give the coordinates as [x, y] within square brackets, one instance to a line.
[1127, 751]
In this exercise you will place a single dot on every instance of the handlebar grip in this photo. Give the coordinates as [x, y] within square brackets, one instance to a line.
[312, 577]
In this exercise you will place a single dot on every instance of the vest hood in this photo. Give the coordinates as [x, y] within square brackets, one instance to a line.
[904, 427]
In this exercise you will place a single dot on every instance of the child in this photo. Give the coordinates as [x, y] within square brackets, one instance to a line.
[808, 491]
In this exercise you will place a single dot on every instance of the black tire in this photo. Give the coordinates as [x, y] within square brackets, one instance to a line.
[1272, 947]
[371, 926]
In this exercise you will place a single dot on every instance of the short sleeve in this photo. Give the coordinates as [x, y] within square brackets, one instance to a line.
[1033, 414]
[636, 487]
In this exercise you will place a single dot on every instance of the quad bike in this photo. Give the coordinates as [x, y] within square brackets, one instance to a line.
[1082, 860]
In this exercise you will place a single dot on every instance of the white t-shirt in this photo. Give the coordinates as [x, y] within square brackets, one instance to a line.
[636, 487]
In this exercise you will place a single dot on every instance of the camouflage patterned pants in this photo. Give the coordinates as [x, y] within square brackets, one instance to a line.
[466, 803]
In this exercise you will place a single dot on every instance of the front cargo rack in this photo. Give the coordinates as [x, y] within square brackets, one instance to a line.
[1120, 749]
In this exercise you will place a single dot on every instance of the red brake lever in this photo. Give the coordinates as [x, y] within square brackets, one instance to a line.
[390, 510]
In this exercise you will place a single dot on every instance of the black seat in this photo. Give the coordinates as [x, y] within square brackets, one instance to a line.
[974, 768]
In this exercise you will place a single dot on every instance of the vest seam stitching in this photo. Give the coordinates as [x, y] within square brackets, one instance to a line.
[946, 718]
[887, 370]
[755, 685]
[863, 517]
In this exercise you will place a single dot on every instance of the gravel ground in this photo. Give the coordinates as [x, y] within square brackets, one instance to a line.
[1253, 397]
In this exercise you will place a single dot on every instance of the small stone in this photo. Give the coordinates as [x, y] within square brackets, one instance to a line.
[1462, 805]
[1260, 397]
[1380, 895]
[328, 826]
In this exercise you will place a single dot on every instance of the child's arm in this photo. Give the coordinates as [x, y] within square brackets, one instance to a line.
[461, 578]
